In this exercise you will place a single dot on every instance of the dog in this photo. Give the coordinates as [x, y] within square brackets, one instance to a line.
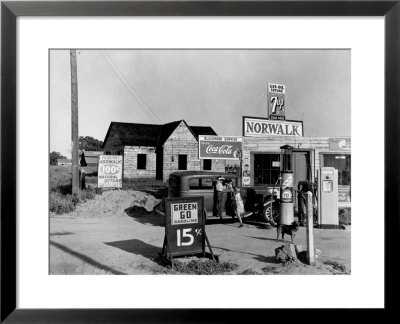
[287, 229]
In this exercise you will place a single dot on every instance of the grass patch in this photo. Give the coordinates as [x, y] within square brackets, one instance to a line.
[61, 198]
[60, 203]
[338, 267]
[60, 179]
[248, 272]
[269, 269]
[205, 267]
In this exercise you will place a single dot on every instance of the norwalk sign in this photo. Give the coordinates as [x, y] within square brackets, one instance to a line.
[261, 127]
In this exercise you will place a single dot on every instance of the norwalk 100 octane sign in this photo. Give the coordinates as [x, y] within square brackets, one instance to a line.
[261, 127]
[109, 173]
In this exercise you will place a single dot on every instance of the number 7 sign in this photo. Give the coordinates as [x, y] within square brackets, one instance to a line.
[276, 101]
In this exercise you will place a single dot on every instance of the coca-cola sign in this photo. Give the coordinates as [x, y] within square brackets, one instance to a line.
[220, 147]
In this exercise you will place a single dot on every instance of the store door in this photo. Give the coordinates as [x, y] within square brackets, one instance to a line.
[302, 168]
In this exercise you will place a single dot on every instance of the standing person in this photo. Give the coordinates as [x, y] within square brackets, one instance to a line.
[315, 201]
[215, 197]
[303, 187]
[219, 187]
[230, 198]
[239, 207]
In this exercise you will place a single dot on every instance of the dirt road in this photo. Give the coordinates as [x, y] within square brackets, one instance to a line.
[105, 236]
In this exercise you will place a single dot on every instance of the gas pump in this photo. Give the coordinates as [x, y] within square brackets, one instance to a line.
[286, 194]
[328, 215]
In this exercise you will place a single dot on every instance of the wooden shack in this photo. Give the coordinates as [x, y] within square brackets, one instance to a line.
[155, 151]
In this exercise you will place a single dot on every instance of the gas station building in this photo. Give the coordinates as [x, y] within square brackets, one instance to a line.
[261, 160]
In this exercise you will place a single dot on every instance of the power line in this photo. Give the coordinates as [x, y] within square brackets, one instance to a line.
[56, 83]
[132, 87]
[129, 87]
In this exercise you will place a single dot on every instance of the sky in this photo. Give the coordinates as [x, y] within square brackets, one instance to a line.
[204, 87]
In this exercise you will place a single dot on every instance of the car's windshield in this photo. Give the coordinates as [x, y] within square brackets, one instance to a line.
[200, 183]
[205, 183]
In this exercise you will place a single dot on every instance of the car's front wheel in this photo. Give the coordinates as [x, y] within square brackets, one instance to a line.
[270, 214]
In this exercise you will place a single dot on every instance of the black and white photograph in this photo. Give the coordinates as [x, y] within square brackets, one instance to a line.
[177, 161]
[199, 161]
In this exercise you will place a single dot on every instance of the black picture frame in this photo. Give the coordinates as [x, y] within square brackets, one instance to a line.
[10, 10]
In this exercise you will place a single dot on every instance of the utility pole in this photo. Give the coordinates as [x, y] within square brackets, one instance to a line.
[74, 122]
[310, 234]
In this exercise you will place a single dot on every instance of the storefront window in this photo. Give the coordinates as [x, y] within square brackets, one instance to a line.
[341, 162]
[266, 168]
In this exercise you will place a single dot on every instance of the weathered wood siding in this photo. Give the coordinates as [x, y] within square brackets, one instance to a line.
[315, 145]
[182, 141]
[130, 162]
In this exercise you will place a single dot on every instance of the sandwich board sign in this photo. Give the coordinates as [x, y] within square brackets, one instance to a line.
[184, 228]
[109, 173]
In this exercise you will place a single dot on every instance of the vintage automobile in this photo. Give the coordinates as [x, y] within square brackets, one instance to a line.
[201, 183]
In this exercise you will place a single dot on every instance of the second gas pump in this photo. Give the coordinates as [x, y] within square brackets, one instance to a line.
[286, 192]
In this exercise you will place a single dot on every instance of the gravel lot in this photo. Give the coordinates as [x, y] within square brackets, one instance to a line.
[106, 236]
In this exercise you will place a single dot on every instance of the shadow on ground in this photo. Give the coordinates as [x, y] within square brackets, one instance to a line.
[142, 216]
[61, 233]
[258, 257]
[265, 238]
[267, 259]
[217, 220]
[136, 246]
[85, 258]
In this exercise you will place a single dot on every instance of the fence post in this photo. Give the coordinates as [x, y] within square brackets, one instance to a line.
[310, 233]
[83, 179]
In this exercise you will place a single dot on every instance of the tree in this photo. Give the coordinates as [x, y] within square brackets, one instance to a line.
[54, 156]
[89, 143]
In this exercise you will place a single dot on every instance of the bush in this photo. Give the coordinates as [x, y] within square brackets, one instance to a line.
[61, 204]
